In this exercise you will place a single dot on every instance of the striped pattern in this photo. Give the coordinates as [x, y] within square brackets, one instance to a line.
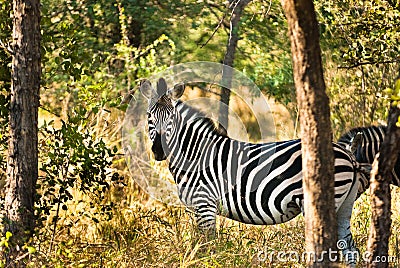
[367, 148]
[250, 183]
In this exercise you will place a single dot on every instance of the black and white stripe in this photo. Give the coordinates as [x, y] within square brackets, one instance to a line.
[251, 183]
[369, 140]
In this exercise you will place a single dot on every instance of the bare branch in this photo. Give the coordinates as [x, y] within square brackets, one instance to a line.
[128, 96]
[269, 8]
[233, 5]
[7, 48]
[215, 30]
[368, 63]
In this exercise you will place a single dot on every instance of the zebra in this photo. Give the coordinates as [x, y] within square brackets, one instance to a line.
[365, 142]
[252, 183]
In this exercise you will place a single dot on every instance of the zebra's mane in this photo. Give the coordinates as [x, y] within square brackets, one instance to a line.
[349, 135]
[198, 115]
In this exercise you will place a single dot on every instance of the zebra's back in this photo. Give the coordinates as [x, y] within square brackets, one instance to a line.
[259, 183]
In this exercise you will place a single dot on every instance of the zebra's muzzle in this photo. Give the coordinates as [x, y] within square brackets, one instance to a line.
[157, 148]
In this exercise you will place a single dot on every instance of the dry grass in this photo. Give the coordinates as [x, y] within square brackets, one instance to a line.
[151, 234]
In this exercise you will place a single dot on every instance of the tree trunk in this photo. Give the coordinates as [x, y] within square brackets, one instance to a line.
[381, 175]
[237, 9]
[22, 165]
[315, 127]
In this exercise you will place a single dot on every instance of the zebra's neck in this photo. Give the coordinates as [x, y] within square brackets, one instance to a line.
[192, 134]
[188, 118]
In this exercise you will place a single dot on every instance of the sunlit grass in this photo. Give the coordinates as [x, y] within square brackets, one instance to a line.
[151, 234]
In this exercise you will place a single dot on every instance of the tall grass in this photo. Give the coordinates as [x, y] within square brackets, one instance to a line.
[151, 234]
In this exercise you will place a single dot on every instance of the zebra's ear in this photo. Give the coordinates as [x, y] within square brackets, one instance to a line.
[146, 89]
[355, 142]
[176, 92]
[161, 87]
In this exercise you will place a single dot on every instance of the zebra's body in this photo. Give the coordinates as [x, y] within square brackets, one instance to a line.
[369, 140]
[257, 183]
[251, 183]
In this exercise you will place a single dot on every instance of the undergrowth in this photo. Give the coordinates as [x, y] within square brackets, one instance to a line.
[148, 233]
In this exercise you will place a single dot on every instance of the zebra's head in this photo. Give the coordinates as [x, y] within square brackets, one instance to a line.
[161, 106]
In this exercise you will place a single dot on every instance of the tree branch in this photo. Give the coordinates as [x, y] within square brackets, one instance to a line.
[215, 30]
[381, 175]
[7, 48]
[232, 4]
[368, 63]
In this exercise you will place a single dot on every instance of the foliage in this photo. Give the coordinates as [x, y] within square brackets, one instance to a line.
[366, 85]
[90, 52]
[73, 159]
[368, 30]
[265, 51]
[359, 40]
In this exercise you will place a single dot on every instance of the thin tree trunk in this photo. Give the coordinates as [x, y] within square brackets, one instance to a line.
[237, 9]
[381, 175]
[22, 165]
[315, 127]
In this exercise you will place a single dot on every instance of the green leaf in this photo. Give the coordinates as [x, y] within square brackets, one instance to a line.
[95, 110]
[397, 86]
[8, 235]
[31, 250]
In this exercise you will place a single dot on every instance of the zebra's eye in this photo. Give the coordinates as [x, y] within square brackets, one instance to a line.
[150, 116]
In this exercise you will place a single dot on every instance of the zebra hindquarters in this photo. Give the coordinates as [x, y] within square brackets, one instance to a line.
[347, 183]
[345, 175]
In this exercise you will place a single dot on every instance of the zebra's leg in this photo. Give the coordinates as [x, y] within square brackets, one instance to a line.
[205, 215]
[205, 210]
[345, 240]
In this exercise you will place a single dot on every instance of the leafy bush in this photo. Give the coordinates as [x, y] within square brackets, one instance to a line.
[74, 160]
